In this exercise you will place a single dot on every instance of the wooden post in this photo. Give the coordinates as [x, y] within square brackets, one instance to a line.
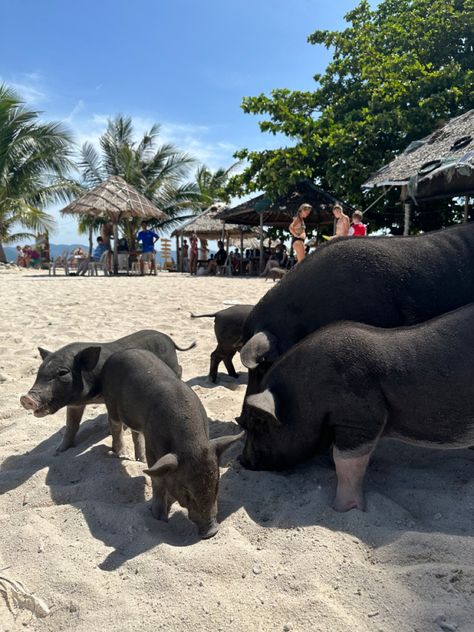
[261, 243]
[179, 254]
[241, 250]
[115, 248]
[466, 209]
[406, 208]
[90, 241]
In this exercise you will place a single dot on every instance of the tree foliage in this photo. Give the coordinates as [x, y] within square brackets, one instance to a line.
[35, 159]
[398, 71]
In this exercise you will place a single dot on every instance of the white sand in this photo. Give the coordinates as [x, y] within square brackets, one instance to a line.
[77, 532]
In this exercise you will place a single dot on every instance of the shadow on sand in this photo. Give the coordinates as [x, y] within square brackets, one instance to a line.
[223, 380]
[112, 494]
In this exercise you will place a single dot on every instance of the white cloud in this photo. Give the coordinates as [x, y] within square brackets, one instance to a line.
[28, 86]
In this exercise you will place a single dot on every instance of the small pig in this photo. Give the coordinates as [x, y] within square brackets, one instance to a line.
[275, 273]
[351, 384]
[228, 327]
[71, 376]
[143, 393]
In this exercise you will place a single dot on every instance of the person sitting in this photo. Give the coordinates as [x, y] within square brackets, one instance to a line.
[122, 245]
[148, 238]
[281, 255]
[235, 261]
[211, 265]
[32, 256]
[20, 257]
[96, 256]
[219, 259]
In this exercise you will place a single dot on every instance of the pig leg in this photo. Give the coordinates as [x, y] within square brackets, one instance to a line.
[350, 472]
[118, 445]
[229, 364]
[73, 419]
[139, 445]
[161, 501]
[216, 358]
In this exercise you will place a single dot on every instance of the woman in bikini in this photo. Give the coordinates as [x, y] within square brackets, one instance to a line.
[298, 230]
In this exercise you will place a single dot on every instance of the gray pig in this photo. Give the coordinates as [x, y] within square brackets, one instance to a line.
[350, 384]
[228, 327]
[71, 376]
[143, 393]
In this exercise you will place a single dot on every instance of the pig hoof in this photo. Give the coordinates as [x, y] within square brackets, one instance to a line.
[346, 505]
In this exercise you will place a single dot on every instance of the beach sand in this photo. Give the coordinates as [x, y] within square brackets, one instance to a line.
[76, 529]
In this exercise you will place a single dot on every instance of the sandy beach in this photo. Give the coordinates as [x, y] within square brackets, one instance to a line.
[78, 534]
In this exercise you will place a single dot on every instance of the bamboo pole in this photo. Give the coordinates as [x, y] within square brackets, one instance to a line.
[466, 209]
[261, 244]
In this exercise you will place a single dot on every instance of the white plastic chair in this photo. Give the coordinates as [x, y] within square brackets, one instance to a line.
[226, 269]
[102, 264]
[60, 262]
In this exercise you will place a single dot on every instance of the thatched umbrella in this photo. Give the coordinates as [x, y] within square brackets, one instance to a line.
[116, 200]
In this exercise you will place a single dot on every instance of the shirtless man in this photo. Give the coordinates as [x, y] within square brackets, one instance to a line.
[342, 222]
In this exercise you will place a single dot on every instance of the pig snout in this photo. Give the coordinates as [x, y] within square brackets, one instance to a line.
[29, 403]
[208, 529]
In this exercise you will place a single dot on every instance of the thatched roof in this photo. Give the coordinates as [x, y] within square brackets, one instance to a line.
[115, 199]
[440, 165]
[281, 211]
[206, 226]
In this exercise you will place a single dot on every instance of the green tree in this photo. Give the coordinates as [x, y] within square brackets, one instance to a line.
[156, 171]
[397, 72]
[35, 158]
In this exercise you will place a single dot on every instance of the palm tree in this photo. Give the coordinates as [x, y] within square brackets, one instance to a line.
[34, 161]
[156, 171]
[211, 185]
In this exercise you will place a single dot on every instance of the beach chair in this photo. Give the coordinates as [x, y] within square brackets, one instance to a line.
[226, 269]
[102, 264]
[60, 262]
[124, 261]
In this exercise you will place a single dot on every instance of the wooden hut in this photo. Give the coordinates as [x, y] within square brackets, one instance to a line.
[263, 211]
[438, 166]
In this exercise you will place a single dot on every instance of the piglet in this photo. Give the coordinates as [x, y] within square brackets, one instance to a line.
[170, 428]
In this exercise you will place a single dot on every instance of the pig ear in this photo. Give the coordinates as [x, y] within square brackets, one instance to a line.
[44, 353]
[220, 444]
[88, 357]
[166, 464]
[262, 346]
[263, 402]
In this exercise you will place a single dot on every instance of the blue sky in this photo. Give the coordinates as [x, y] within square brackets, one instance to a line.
[183, 64]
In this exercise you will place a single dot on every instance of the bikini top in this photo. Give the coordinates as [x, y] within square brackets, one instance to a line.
[302, 228]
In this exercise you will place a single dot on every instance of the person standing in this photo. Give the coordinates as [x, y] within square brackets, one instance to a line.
[358, 228]
[185, 255]
[297, 229]
[193, 252]
[342, 222]
[148, 238]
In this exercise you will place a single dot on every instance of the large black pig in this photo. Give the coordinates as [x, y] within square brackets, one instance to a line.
[228, 327]
[143, 393]
[381, 281]
[350, 384]
[71, 376]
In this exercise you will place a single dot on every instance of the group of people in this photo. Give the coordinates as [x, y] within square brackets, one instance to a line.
[345, 227]
[146, 238]
[27, 257]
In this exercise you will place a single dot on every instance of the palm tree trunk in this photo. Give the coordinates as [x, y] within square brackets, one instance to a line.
[3, 257]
